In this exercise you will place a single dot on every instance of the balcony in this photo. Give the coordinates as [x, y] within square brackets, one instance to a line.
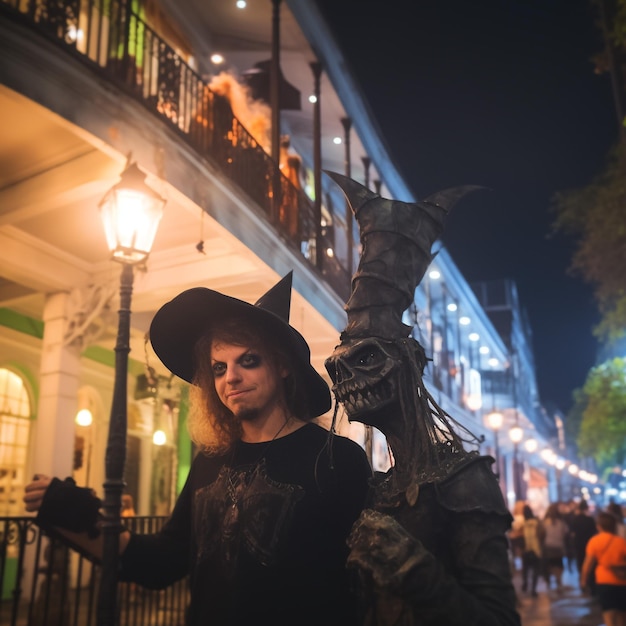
[233, 219]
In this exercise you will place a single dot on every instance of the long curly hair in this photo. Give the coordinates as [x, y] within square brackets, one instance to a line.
[213, 428]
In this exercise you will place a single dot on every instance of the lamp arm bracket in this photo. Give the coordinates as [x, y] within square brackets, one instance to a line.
[88, 309]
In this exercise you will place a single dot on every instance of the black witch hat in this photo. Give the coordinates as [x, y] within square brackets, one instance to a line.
[178, 324]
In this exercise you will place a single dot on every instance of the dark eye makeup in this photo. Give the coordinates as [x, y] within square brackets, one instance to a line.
[248, 360]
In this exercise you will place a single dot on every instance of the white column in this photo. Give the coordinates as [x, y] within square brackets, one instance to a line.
[53, 449]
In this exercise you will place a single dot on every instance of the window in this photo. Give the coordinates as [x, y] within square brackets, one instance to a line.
[15, 416]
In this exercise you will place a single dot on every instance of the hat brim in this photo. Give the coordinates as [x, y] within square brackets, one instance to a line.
[178, 324]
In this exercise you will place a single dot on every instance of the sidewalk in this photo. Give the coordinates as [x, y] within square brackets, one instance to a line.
[568, 607]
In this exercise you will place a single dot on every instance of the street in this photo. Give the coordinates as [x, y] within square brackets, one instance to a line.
[551, 607]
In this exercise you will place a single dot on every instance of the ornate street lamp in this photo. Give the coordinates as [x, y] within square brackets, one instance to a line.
[516, 434]
[494, 420]
[131, 212]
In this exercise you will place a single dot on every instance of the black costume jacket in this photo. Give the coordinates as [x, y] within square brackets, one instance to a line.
[462, 573]
[262, 532]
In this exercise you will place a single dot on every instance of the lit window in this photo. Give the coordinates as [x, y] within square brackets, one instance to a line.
[15, 416]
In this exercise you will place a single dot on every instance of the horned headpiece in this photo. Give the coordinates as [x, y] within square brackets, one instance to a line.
[396, 240]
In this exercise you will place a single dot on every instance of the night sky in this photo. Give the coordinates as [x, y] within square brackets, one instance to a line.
[500, 93]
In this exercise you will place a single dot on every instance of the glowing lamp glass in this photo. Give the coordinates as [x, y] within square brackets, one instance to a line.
[531, 445]
[516, 434]
[131, 212]
[159, 438]
[494, 420]
[84, 417]
[474, 401]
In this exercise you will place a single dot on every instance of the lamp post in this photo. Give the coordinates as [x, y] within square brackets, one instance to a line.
[131, 212]
[516, 434]
[494, 420]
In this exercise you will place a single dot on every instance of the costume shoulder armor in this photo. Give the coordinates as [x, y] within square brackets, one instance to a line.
[472, 487]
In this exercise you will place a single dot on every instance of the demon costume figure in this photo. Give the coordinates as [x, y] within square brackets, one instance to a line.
[431, 547]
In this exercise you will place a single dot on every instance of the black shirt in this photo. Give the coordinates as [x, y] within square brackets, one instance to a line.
[262, 532]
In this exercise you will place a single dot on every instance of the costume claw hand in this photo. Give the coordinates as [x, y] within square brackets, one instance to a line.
[383, 549]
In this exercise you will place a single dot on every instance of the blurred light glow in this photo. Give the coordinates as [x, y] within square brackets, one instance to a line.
[159, 438]
[494, 420]
[84, 417]
[516, 434]
[531, 445]
[131, 212]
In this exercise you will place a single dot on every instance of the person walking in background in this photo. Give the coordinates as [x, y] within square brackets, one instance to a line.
[616, 509]
[516, 534]
[606, 555]
[568, 510]
[128, 506]
[532, 556]
[554, 546]
[582, 527]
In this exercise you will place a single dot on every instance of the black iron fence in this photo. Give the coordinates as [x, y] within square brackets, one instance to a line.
[113, 40]
[44, 583]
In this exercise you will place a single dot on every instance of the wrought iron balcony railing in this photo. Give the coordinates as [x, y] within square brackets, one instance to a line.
[113, 40]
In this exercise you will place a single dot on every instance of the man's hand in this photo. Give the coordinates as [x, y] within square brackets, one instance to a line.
[35, 491]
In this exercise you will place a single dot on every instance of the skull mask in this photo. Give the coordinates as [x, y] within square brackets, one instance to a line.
[368, 376]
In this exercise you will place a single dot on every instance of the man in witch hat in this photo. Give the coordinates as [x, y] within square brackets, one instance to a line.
[262, 521]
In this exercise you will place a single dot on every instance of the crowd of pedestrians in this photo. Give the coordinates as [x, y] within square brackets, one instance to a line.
[568, 535]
